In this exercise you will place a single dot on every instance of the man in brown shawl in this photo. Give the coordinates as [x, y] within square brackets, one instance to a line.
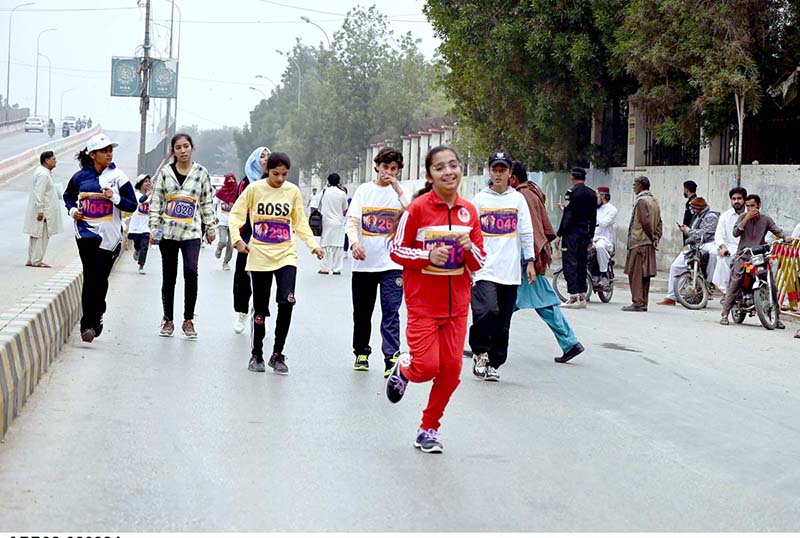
[644, 233]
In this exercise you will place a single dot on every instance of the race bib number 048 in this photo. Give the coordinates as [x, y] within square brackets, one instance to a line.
[499, 222]
[272, 231]
[96, 207]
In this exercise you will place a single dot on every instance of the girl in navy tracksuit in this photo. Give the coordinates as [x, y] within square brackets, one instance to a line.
[95, 197]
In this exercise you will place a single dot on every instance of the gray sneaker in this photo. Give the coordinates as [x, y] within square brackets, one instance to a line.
[428, 441]
[479, 364]
[491, 374]
[277, 362]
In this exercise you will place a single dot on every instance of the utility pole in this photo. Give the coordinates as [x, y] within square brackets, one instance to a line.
[145, 101]
[169, 132]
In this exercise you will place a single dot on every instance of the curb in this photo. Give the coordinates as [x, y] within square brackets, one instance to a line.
[31, 335]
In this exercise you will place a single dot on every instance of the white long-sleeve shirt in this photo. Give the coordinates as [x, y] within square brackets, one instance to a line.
[724, 234]
[507, 228]
[606, 215]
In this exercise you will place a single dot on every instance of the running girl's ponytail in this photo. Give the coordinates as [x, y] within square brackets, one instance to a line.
[427, 188]
[84, 159]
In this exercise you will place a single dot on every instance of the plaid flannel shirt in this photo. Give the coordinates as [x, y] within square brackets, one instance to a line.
[197, 186]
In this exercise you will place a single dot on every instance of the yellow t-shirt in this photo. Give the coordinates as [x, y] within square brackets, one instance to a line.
[276, 215]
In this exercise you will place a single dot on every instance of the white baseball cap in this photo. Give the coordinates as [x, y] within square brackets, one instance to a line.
[99, 141]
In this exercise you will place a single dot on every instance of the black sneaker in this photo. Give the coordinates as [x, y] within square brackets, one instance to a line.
[277, 362]
[428, 441]
[396, 383]
[573, 352]
[256, 364]
[362, 363]
[98, 330]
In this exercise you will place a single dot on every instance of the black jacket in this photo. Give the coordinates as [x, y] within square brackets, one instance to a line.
[580, 213]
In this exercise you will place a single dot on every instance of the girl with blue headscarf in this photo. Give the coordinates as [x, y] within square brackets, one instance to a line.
[254, 170]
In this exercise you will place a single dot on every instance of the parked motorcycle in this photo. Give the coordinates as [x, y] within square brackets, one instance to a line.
[754, 296]
[693, 287]
[593, 283]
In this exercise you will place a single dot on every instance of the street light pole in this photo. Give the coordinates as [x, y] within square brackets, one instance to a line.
[36, 87]
[259, 91]
[299, 74]
[309, 21]
[170, 131]
[268, 79]
[61, 105]
[8, 58]
[49, 83]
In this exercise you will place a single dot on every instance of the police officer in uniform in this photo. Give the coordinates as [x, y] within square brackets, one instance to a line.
[576, 231]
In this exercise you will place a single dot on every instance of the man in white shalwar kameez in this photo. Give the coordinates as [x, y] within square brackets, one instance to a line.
[43, 215]
[333, 206]
[724, 239]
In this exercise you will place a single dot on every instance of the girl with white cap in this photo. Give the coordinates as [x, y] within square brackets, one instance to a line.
[95, 197]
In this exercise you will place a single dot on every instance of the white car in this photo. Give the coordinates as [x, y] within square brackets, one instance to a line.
[35, 124]
[69, 120]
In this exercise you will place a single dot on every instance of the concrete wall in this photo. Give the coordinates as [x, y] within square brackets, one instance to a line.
[778, 186]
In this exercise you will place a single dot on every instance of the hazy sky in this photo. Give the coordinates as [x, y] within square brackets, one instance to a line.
[225, 44]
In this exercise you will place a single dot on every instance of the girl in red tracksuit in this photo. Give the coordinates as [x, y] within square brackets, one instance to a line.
[438, 242]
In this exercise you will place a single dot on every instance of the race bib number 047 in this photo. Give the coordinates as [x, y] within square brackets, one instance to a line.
[96, 207]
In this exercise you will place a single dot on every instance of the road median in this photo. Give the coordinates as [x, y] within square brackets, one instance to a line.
[31, 335]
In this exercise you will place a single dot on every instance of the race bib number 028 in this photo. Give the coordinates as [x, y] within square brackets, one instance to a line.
[180, 208]
[455, 263]
[96, 207]
[499, 222]
[378, 221]
[272, 231]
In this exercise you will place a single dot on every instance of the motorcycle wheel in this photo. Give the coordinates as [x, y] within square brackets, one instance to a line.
[738, 315]
[604, 295]
[765, 309]
[693, 297]
[560, 285]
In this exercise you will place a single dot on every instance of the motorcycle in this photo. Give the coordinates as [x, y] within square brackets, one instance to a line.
[594, 284]
[754, 296]
[65, 130]
[692, 287]
[51, 130]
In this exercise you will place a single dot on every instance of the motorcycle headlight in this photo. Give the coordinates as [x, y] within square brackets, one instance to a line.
[687, 249]
[758, 259]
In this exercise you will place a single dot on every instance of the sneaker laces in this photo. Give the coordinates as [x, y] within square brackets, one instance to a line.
[397, 384]
[431, 435]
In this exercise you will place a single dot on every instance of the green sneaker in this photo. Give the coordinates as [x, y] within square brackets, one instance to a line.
[362, 363]
[390, 362]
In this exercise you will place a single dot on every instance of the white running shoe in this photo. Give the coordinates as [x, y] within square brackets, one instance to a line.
[238, 325]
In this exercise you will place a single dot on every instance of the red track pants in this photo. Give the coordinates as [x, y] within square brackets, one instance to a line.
[436, 347]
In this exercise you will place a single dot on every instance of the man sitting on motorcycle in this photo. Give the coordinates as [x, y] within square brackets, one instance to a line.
[604, 232]
[751, 228]
[704, 225]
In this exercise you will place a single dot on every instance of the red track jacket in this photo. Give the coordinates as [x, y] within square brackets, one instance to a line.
[437, 291]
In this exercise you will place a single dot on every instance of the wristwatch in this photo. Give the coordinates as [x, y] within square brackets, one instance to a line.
[529, 260]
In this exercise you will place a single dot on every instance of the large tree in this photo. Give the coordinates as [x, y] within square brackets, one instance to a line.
[529, 75]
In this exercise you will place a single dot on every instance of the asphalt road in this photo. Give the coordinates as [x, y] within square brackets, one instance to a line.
[19, 280]
[668, 422]
[12, 144]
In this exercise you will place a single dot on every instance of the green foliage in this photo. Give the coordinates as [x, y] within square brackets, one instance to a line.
[215, 149]
[370, 83]
[527, 75]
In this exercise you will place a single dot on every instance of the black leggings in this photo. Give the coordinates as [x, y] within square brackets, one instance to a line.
[141, 242]
[285, 278]
[190, 250]
[241, 285]
[97, 264]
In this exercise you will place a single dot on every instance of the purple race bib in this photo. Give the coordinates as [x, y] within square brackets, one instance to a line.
[455, 263]
[96, 207]
[378, 221]
[144, 208]
[499, 222]
[271, 231]
[180, 208]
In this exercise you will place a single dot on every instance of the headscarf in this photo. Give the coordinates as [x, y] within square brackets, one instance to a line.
[252, 168]
[229, 190]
